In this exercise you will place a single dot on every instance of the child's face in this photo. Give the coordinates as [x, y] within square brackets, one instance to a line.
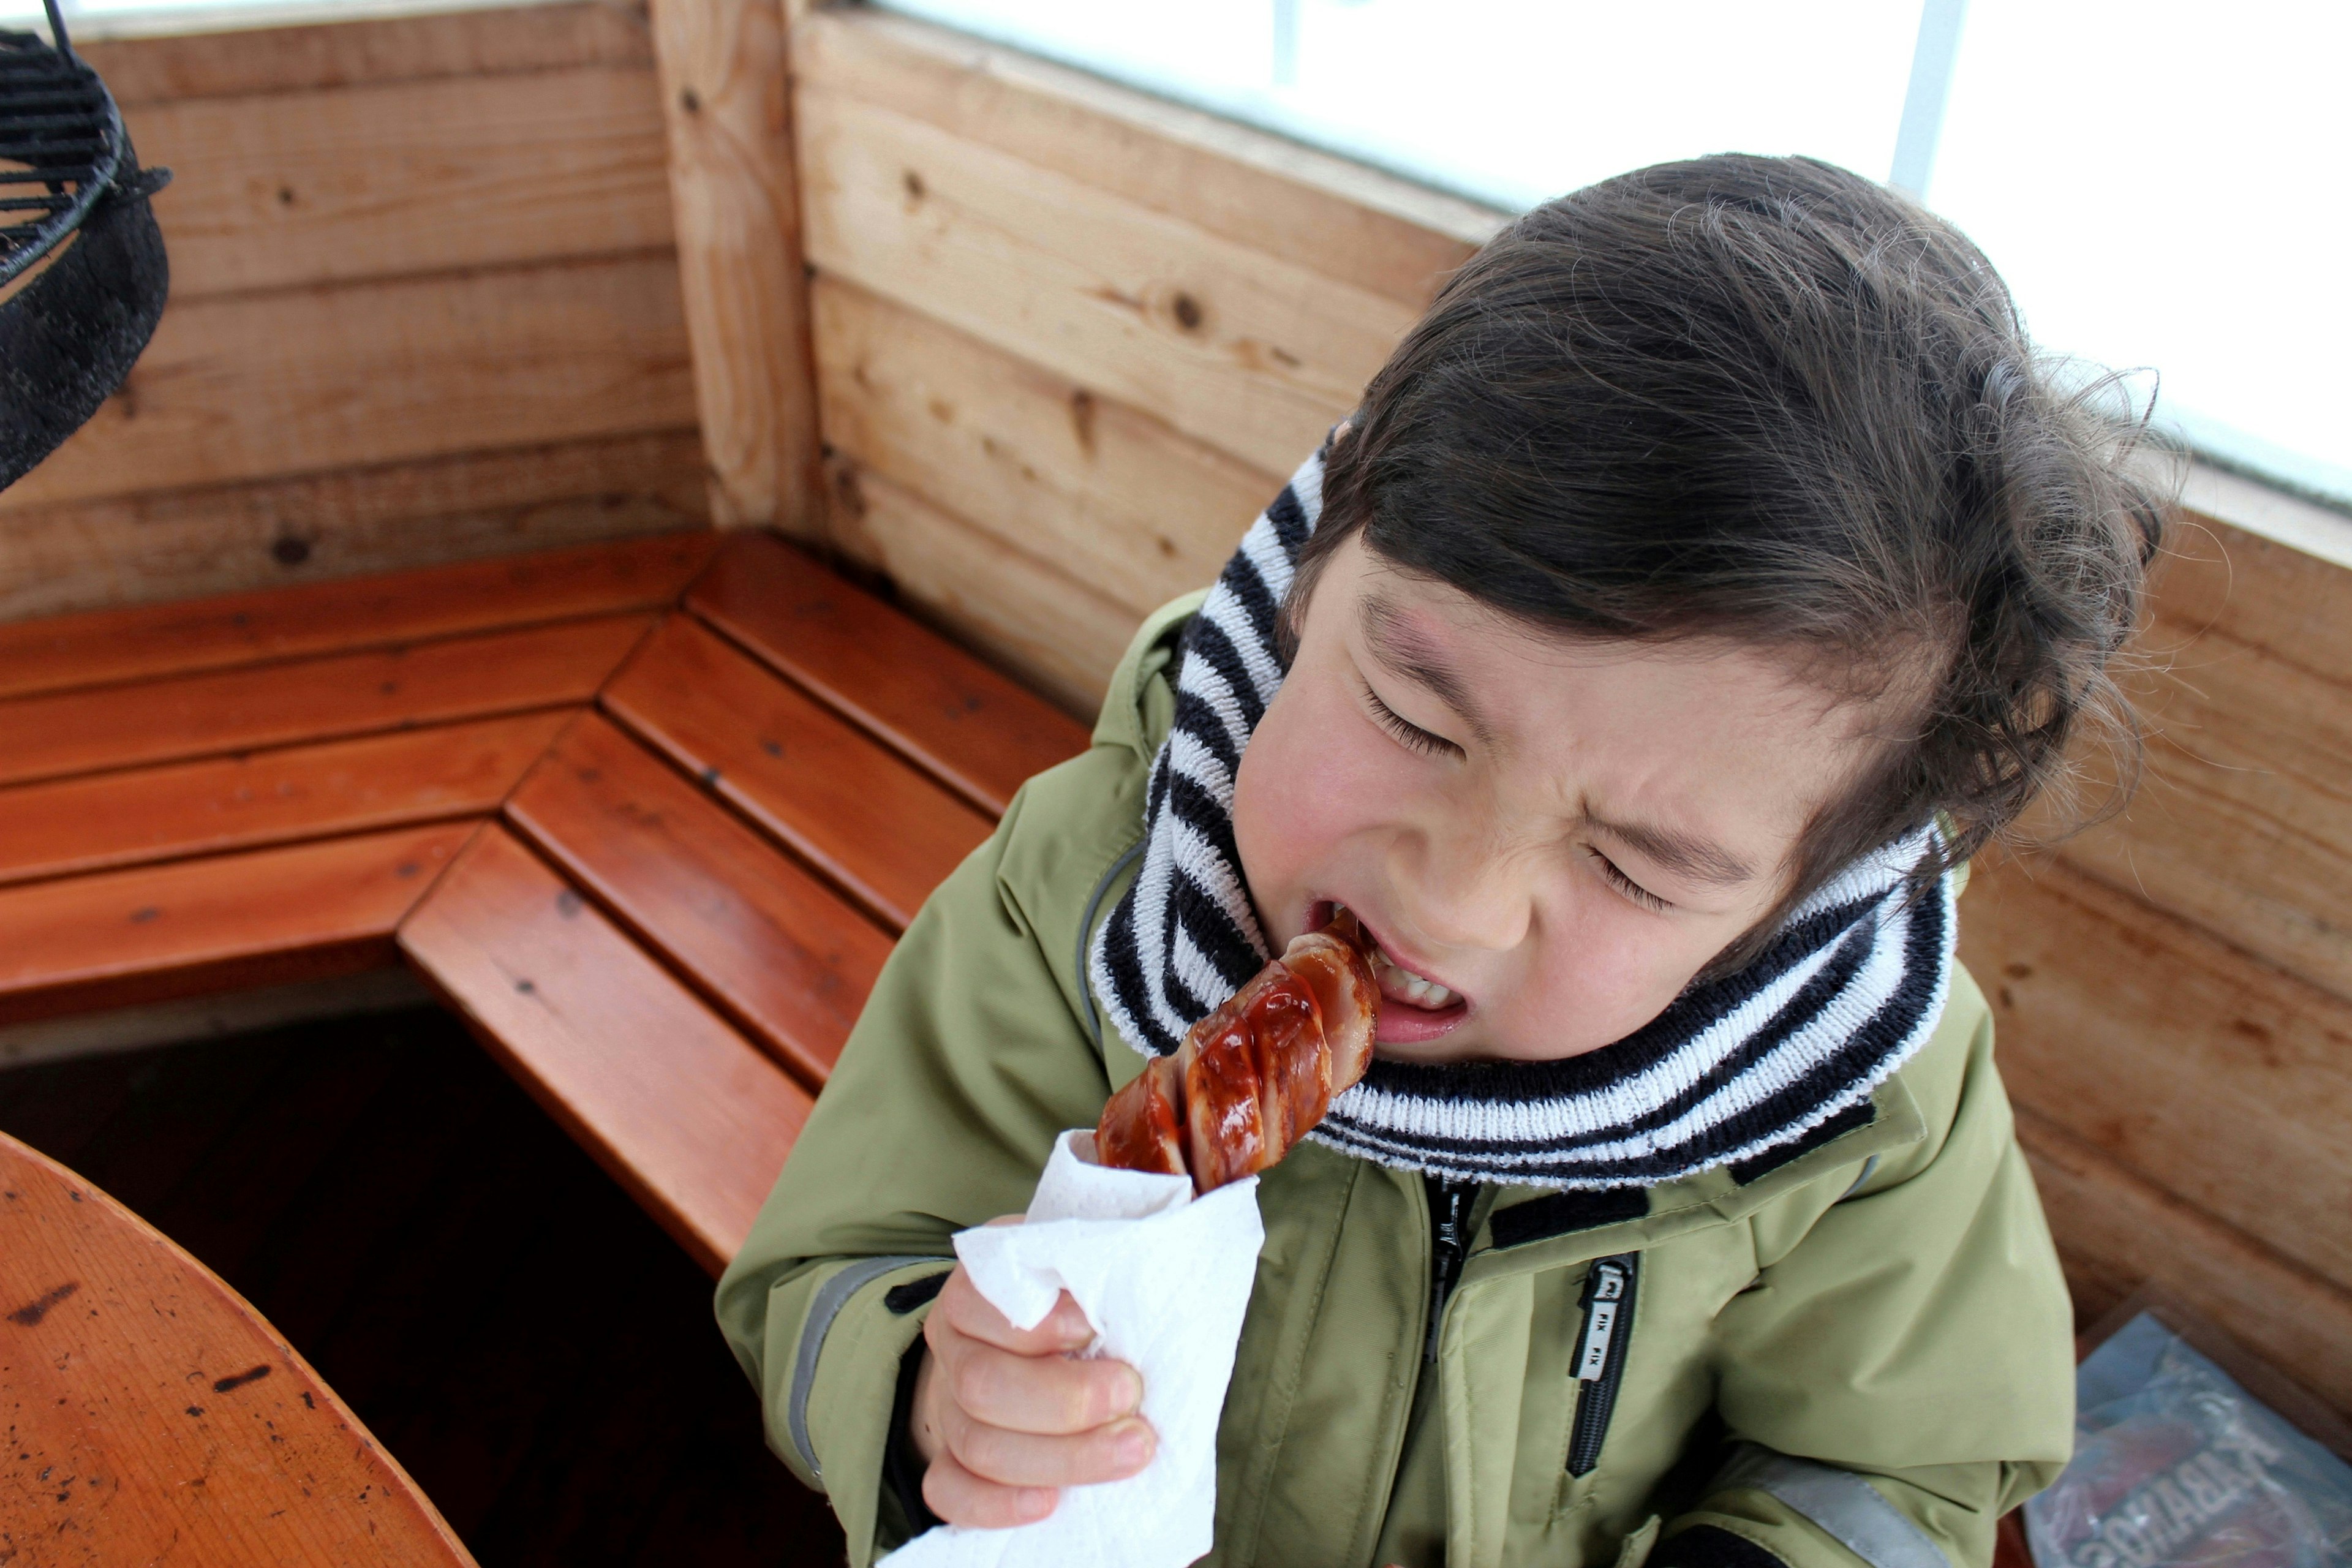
[1560, 834]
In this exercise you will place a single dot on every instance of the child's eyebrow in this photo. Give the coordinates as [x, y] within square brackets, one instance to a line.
[1684, 854]
[1397, 643]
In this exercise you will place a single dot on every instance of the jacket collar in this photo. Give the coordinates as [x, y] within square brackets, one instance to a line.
[1692, 1203]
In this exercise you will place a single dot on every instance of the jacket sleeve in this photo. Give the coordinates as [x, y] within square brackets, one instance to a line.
[1901, 1372]
[968, 1061]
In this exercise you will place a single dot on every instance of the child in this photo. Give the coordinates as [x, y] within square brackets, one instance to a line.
[1705, 579]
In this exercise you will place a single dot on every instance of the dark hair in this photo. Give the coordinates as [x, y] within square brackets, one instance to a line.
[1768, 400]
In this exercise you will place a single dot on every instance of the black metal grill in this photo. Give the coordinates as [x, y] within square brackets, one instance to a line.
[61, 144]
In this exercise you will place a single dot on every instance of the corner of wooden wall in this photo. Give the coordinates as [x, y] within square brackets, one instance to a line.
[734, 192]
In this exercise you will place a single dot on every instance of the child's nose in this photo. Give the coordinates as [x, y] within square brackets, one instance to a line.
[1464, 893]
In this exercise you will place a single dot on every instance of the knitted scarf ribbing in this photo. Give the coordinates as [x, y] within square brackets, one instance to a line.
[1734, 1068]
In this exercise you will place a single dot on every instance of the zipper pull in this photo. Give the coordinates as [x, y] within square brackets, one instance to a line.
[1449, 1213]
[1604, 1293]
[1601, 1356]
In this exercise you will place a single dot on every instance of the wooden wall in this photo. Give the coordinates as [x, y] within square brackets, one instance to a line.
[1069, 339]
[425, 305]
[2174, 989]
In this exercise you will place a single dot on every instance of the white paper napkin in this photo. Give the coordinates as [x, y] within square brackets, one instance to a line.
[1164, 1278]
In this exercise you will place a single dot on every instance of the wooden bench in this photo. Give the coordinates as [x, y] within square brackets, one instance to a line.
[648, 815]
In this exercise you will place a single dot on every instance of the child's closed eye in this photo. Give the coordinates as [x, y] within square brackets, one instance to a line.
[1626, 885]
[1408, 735]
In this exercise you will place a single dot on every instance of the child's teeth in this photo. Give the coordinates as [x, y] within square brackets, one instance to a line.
[1421, 993]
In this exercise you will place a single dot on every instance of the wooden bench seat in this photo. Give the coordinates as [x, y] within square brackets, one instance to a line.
[648, 815]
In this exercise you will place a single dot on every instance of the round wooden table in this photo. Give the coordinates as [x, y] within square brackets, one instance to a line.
[150, 1416]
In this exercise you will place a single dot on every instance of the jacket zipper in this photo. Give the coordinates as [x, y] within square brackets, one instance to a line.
[1600, 1353]
[1449, 1213]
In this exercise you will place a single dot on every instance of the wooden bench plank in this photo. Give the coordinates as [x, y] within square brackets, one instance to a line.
[979, 732]
[781, 954]
[686, 1114]
[103, 647]
[221, 923]
[884, 832]
[68, 732]
[107, 820]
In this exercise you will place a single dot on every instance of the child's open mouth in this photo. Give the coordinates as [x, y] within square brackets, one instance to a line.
[1413, 1008]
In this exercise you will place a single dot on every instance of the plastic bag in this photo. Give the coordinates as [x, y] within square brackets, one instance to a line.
[2175, 1464]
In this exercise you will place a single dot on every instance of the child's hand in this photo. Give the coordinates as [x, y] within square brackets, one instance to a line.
[1005, 1417]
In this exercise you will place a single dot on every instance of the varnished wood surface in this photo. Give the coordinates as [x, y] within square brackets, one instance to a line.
[104, 646]
[121, 938]
[153, 1416]
[781, 954]
[246, 802]
[339, 694]
[880, 829]
[388, 1198]
[956, 718]
[686, 1114]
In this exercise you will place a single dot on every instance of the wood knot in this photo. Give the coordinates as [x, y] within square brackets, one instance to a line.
[846, 490]
[1187, 312]
[290, 550]
[689, 100]
[913, 182]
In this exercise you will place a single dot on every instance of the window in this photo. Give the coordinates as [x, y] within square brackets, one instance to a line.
[2160, 181]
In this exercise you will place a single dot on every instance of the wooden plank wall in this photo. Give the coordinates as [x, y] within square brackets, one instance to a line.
[1067, 341]
[424, 306]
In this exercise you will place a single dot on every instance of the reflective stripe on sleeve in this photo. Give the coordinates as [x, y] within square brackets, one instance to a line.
[829, 1298]
[1844, 1505]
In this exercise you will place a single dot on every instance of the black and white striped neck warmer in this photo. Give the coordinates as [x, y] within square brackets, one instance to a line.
[1732, 1071]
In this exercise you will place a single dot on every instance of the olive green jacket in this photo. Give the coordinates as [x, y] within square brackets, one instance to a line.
[1864, 1351]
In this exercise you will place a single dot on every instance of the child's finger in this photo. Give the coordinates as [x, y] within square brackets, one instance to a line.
[958, 1496]
[961, 1304]
[1049, 1394]
[1110, 1453]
